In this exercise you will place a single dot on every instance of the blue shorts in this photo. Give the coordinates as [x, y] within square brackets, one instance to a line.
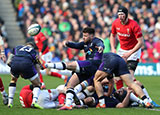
[113, 64]
[87, 69]
[24, 67]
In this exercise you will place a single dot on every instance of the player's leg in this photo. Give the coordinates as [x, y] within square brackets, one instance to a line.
[138, 90]
[36, 90]
[70, 94]
[73, 66]
[55, 74]
[3, 92]
[11, 90]
[99, 76]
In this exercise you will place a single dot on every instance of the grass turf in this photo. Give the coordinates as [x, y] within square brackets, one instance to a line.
[150, 83]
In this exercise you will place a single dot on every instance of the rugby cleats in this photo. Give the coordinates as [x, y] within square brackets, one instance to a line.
[5, 98]
[10, 105]
[154, 104]
[100, 106]
[65, 108]
[36, 106]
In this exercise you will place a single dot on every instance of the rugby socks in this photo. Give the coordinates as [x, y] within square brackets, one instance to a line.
[78, 88]
[135, 98]
[41, 78]
[119, 84]
[101, 100]
[69, 97]
[61, 98]
[82, 95]
[146, 93]
[11, 90]
[55, 74]
[1, 85]
[58, 65]
[36, 92]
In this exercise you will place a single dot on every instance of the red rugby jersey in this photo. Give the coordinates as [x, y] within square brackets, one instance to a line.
[127, 34]
[39, 38]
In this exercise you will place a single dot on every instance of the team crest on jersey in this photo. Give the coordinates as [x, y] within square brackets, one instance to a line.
[89, 51]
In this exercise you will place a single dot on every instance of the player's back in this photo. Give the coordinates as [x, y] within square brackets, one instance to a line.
[23, 53]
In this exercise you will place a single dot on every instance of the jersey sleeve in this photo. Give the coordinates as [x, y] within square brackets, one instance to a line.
[79, 45]
[99, 43]
[137, 30]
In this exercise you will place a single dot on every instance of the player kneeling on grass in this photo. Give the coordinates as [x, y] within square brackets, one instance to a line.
[24, 63]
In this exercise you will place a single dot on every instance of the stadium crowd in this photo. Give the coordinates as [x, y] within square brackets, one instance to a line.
[64, 19]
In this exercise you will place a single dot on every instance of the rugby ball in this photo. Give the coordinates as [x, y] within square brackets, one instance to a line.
[34, 29]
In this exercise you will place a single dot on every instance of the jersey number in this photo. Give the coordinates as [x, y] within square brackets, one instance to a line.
[26, 48]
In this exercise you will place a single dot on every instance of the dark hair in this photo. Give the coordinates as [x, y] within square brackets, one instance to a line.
[120, 97]
[124, 10]
[88, 30]
[31, 43]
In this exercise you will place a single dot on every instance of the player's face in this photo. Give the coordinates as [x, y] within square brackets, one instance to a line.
[121, 16]
[120, 91]
[87, 37]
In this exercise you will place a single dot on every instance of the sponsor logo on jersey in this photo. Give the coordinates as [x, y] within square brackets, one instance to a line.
[124, 35]
[118, 28]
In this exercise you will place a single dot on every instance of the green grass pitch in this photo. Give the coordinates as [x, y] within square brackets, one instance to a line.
[152, 84]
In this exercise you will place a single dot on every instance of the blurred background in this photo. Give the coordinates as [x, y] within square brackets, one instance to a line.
[64, 19]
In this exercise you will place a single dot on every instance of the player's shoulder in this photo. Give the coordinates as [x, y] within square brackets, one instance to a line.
[97, 39]
[132, 22]
[116, 21]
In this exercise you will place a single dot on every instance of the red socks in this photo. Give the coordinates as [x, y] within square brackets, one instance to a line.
[61, 98]
[1, 85]
[56, 74]
[119, 84]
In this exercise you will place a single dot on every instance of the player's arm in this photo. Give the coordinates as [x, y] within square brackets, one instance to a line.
[74, 45]
[45, 45]
[125, 102]
[137, 46]
[112, 42]
[100, 46]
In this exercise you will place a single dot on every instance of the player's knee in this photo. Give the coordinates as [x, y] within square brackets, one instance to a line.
[132, 65]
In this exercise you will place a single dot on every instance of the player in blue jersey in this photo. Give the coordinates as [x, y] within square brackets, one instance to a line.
[24, 63]
[93, 48]
[114, 64]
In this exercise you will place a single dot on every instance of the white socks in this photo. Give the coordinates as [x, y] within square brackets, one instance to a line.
[36, 92]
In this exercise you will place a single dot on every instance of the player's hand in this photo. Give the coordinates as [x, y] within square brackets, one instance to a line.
[113, 50]
[64, 43]
[3, 57]
[126, 56]
[100, 49]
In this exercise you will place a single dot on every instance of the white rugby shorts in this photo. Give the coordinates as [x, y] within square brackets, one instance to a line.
[135, 56]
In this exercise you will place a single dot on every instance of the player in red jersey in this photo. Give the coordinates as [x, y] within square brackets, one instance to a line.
[3, 57]
[42, 43]
[130, 38]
